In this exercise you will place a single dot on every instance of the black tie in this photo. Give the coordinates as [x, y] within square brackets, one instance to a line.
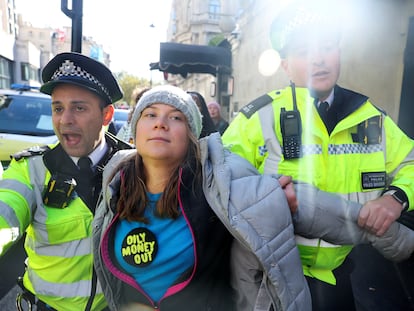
[323, 111]
[85, 187]
[85, 166]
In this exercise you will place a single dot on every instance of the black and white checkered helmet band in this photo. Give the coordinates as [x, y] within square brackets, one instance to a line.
[68, 68]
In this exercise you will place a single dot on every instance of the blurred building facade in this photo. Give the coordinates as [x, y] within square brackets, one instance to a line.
[197, 22]
[25, 49]
[377, 49]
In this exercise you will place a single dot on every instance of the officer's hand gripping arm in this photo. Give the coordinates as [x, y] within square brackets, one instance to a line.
[328, 216]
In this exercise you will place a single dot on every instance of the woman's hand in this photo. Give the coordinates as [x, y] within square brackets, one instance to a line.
[287, 186]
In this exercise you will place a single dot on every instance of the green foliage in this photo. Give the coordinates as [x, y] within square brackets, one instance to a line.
[128, 84]
[216, 40]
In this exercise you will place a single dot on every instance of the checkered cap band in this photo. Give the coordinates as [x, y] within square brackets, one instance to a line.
[335, 149]
[300, 20]
[68, 68]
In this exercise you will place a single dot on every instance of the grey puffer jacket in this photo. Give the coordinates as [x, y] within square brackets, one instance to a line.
[254, 209]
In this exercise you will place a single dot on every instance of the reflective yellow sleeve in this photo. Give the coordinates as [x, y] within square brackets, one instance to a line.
[244, 137]
[400, 159]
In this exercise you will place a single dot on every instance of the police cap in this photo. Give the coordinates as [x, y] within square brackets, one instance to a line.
[78, 69]
[303, 20]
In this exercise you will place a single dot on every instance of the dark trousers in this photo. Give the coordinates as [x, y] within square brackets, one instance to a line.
[327, 297]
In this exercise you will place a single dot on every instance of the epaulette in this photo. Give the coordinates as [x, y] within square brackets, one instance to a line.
[381, 110]
[30, 152]
[255, 105]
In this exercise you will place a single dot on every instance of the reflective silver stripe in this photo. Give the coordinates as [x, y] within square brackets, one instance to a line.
[67, 250]
[313, 242]
[274, 151]
[9, 215]
[37, 178]
[21, 188]
[15, 185]
[7, 211]
[311, 149]
[354, 149]
[76, 289]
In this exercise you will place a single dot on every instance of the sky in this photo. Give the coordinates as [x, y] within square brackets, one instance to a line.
[123, 27]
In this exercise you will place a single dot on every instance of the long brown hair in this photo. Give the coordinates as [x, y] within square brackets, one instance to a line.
[133, 199]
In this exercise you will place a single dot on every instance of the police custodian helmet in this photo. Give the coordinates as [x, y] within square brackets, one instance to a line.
[78, 69]
[302, 20]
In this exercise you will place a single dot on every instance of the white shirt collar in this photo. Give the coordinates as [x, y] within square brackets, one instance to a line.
[329, 99]
[95, 155]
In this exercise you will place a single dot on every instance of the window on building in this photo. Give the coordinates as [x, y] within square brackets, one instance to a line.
[174, 22]
[196, 38]
[214, 9]
[29, 72]
[5, 73]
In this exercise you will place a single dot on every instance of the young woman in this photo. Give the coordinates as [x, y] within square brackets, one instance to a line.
[161, 245]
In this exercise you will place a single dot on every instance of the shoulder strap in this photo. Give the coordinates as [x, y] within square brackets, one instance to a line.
[255, 105]
[30, 152]
[380, 110]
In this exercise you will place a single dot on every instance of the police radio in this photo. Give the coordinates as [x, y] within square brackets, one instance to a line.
[291, 128]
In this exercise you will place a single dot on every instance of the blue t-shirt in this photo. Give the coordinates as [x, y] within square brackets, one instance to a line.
[157, 253]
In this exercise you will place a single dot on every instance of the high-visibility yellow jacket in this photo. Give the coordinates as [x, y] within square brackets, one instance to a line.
[339, 162]
[58, 240]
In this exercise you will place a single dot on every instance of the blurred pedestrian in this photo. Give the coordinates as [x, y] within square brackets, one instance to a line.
[214, 110]
[208, 125]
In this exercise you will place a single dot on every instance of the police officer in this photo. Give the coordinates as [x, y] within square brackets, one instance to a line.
[350, 147]
[49, 195]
